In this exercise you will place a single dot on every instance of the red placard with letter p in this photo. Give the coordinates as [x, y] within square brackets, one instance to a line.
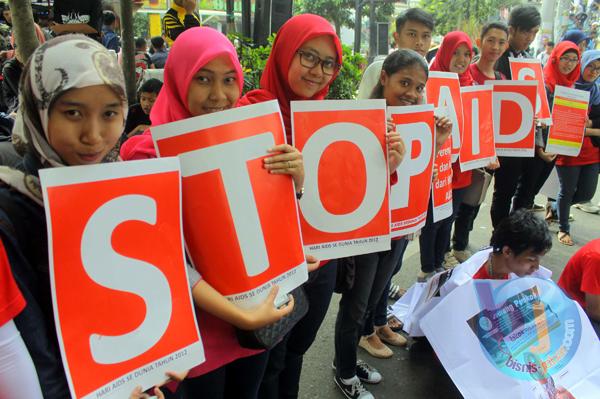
[120, 291]
[345, 209]
[240, 222]
[531, 69]
[514, 113]
[443, 91]
[410, 195]
[477, 149]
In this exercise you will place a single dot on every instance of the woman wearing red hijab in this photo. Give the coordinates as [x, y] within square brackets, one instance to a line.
[202, 76]
[305, 59]
[454, 55]
[562, 68]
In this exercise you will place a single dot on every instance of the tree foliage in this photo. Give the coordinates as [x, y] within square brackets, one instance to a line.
[465, 15]
[338, 12]
[342, 12]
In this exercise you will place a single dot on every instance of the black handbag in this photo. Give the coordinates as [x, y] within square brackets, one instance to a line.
[269, 336]
[344, 278]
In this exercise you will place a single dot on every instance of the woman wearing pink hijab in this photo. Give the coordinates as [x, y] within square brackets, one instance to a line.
[203, 75]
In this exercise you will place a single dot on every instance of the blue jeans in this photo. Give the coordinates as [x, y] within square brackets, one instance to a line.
[378, 317]
[282, 376]
[577, 184]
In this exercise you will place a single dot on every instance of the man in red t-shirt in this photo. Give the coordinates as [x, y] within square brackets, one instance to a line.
[581, 280]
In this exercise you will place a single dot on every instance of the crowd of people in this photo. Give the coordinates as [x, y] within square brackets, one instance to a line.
[81, 117]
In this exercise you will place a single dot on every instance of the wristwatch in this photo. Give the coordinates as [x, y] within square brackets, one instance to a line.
[300, 194]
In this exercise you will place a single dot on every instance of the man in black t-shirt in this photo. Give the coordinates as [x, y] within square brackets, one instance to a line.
[523, 25]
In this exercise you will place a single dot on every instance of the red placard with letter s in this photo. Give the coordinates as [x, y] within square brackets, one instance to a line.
[120, 291]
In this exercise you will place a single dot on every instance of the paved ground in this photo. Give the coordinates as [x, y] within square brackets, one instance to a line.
[416, 376]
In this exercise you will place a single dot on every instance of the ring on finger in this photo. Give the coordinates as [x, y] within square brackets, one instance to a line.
[289, 165]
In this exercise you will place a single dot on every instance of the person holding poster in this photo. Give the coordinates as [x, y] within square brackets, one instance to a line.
[203, 75]
[492, 43]
[305, 59]
[562, 69]
[70, 118]
[454, 55]
[580, 280]
[578, 176]
[17, 373]
[404, 74]
[523, 25]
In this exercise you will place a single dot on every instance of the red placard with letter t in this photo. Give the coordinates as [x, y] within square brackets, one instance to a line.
[240, 222]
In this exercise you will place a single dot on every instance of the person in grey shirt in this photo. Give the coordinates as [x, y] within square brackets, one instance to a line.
[414, 28]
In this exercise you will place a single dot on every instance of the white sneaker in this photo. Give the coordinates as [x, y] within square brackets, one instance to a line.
[353, 388]
[587, 207]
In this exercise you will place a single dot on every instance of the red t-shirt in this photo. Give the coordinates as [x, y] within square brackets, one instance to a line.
[11, 300]
[588, 155]
[582, 273]
[482, 274]
[479, 77]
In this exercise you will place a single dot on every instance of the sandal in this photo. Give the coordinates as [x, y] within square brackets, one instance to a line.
[394, 324]
[550, 215]
[396, 292]
[565, 238]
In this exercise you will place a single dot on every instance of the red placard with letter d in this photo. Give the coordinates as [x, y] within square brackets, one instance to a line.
[514, 113]
[120, 290]
[410, 195]
[345, 209]
[477, 148]
[240, 222]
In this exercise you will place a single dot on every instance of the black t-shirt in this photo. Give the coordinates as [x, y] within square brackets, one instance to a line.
[135, 117]
[79, 12]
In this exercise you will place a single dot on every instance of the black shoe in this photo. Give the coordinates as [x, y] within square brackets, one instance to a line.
[354, 390]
